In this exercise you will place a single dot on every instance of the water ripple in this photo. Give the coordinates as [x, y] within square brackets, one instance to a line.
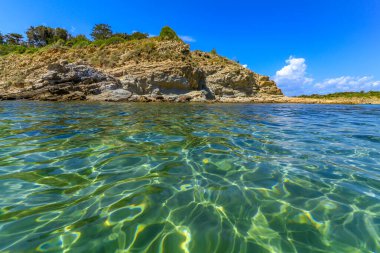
[82, 177]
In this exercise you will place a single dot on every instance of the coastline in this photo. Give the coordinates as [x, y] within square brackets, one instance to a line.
[223, 100]
[196, 77]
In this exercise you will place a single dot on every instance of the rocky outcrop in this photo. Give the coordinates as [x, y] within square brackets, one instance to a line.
[267, 86]
[143, 79]
[64, 81]
[154, 71]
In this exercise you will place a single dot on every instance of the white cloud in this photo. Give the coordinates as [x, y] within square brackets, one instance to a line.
[294, 80]
[187, 38]
[347, 83]
[245, 66]
[293, 77]
[295, 70]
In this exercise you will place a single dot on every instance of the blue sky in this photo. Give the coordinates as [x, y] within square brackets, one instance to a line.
[307, 46]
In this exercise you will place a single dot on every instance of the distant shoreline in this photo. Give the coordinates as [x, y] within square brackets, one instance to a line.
[299, 100]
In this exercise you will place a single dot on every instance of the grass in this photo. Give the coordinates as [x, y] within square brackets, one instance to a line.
[370, 94]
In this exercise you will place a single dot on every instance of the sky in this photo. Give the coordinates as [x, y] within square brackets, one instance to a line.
[306, 46]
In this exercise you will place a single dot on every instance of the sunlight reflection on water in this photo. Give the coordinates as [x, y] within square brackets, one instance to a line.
[83, 177]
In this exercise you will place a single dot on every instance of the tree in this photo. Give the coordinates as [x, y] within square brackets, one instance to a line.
[61, 34]
[213, 51]
[1, 39]
[40, 36]
[168, 34]
[101, 32]
[13, 39]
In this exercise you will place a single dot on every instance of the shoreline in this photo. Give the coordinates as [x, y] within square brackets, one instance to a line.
[223, 100]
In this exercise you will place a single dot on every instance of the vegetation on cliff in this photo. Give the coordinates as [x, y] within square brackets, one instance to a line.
[42, 37]
[168, 34]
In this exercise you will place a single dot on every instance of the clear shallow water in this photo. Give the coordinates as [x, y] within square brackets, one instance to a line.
[189, 178]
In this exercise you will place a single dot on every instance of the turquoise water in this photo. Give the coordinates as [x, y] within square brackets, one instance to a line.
[77, 177]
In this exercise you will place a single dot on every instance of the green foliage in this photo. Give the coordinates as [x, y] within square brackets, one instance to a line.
[362, 94]
[81, 44]
[98, 43]
[125, 36]
[114, 40]
[10, 48]
[31, 50]
[78, 41]
[168, 34]
[119, 38]
[44, 36]
[101, 32]
[60, 44]
[109, 41]
[13, 39]
[213, 52]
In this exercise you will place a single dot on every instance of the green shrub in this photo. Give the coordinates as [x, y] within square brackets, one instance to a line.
[8, 49]
[138, 36]
[31, 50]
[98, 43]
[21, 49]
[114, 40]
[60, 42]
[109, 41]
[78, 41]
[168, 34]
[81, 44]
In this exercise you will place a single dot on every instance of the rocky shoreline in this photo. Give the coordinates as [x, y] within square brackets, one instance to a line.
[147, 71]
[194, 97]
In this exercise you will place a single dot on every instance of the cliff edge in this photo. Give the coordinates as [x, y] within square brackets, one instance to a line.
[141, 70]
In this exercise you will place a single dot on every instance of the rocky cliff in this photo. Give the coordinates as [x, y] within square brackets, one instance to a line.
[145, 70]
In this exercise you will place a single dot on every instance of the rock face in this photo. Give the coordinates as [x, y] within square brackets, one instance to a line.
[143, 80]
[154, 71]
[64, 81]
[267, 86]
